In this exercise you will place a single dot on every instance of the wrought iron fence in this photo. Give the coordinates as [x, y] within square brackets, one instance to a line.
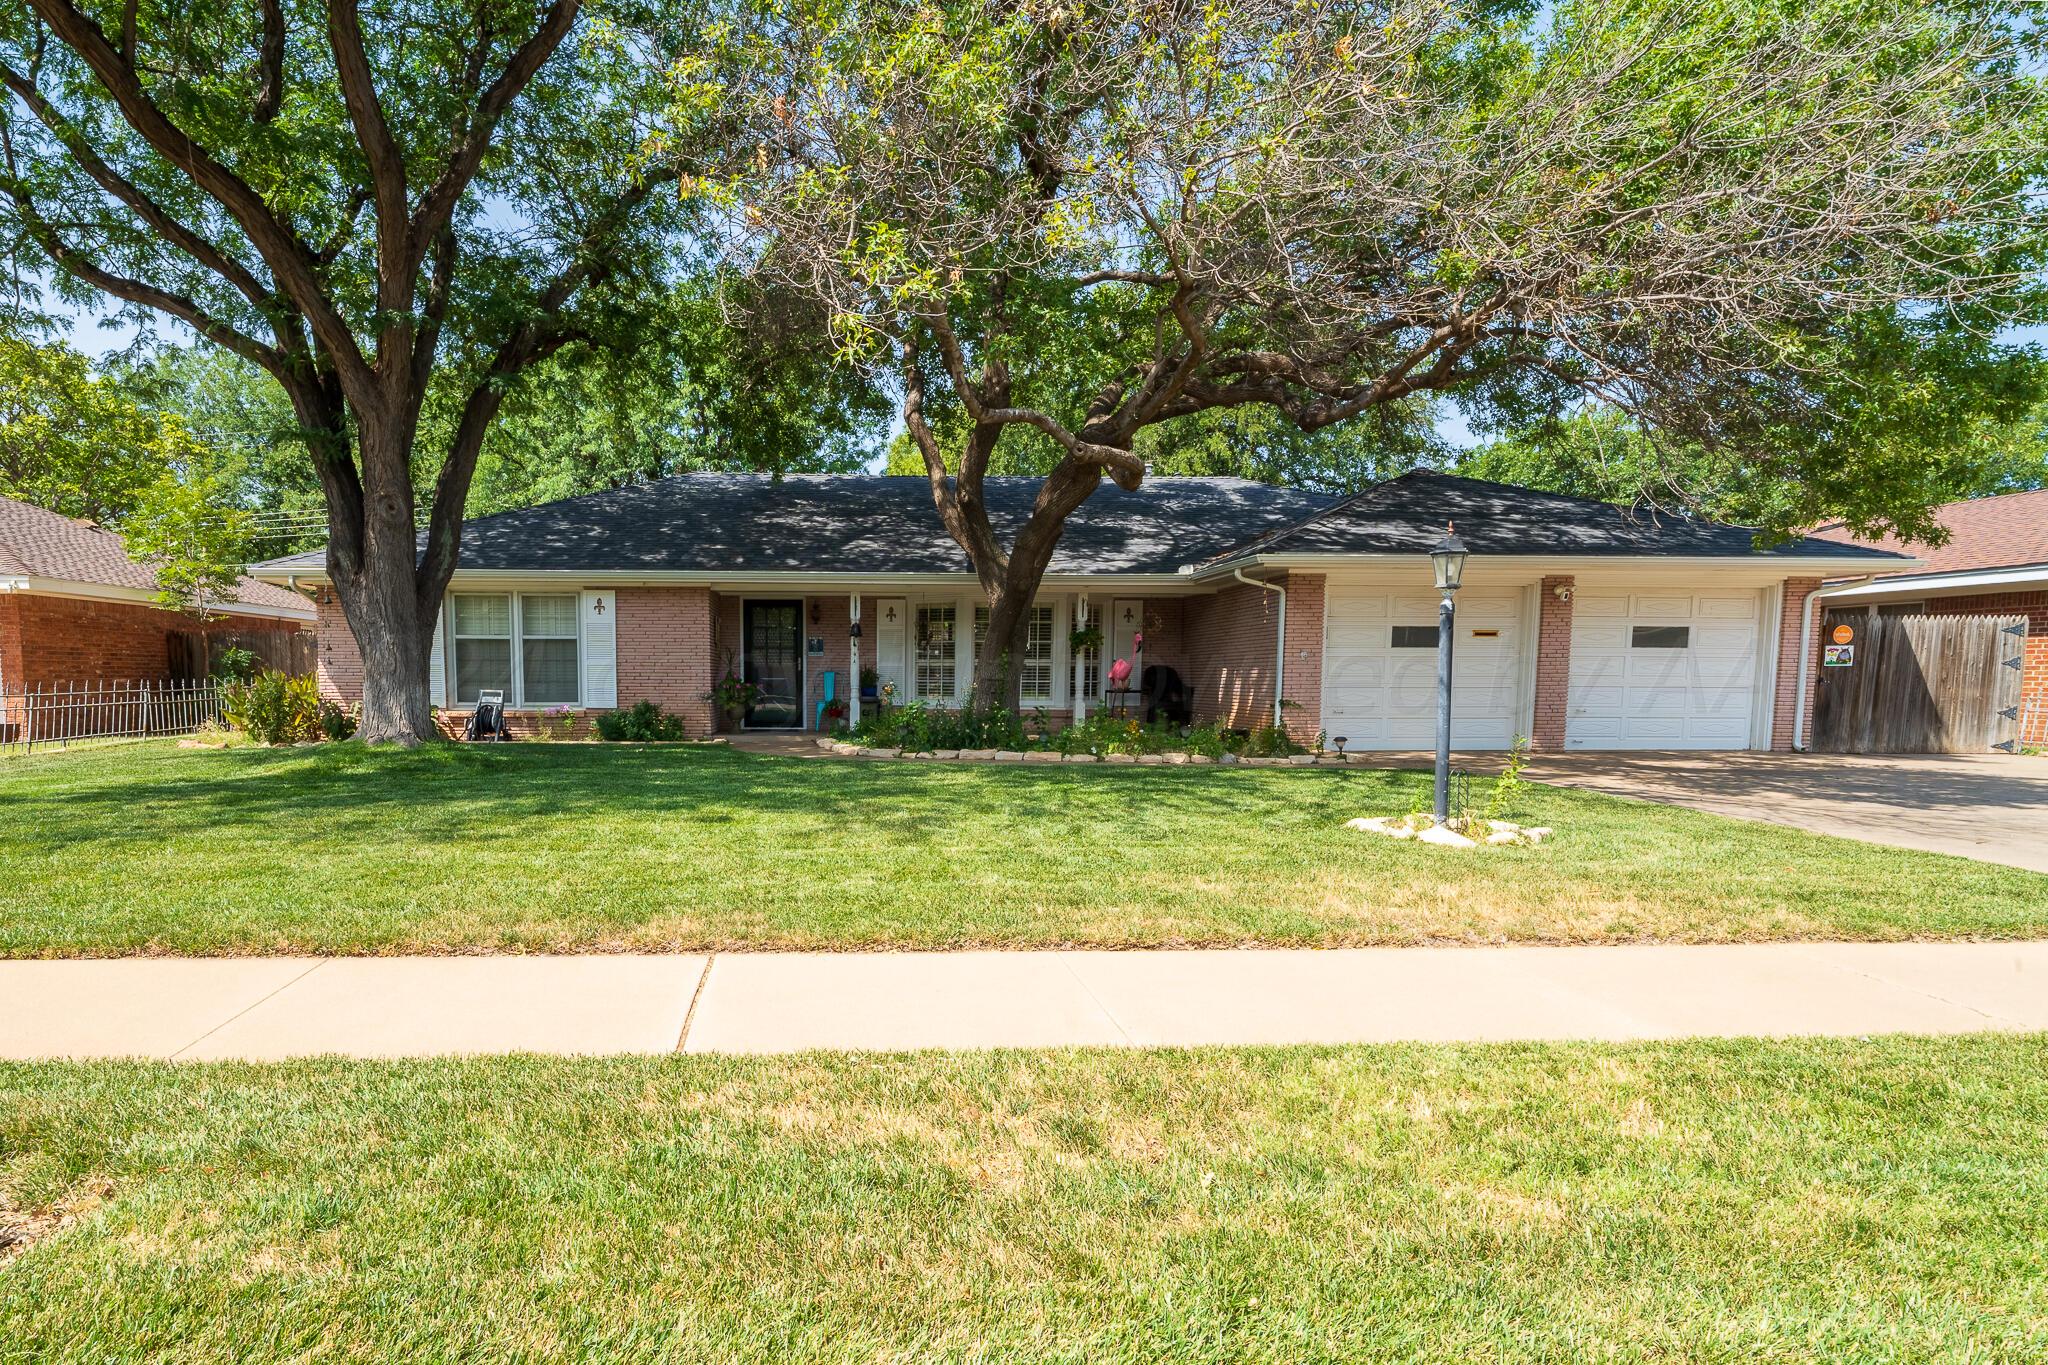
[65, 714]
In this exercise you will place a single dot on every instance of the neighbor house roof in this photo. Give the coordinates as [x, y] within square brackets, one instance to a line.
[854, 523]
[2004, 531]
[41, 550]
[874, 524]
[1407, 515]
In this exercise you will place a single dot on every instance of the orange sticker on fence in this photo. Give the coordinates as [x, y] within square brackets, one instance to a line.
[1844, 634]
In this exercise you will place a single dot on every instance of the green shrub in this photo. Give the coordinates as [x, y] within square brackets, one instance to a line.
[641, 723]
[923, 727]
[337, 724]
[273, 708]
[236, 665]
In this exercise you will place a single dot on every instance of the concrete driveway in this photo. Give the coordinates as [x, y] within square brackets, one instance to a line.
[1992, 807]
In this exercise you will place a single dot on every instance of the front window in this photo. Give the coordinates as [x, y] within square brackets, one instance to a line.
[1034, 671]
[483, 645]
[937, 664]
[547, 650]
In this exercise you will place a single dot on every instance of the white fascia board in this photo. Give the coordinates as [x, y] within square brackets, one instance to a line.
[108, 592]
[1775, 566]
[1908, 586]
[792, 581]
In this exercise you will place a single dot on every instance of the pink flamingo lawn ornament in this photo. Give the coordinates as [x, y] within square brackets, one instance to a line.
[1119, 674]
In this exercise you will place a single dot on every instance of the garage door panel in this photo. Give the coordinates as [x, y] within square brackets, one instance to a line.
[1378, 696]
[1632, 688]
[1742, 608]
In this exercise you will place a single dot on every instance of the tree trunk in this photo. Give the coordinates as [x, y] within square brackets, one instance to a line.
[377, 578]
[997, 678]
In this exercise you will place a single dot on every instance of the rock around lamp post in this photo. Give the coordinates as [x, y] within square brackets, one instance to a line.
[1447, 561]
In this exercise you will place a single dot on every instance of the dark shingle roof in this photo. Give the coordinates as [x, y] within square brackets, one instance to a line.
[853, 523]
[36, 543]
[1407, 515]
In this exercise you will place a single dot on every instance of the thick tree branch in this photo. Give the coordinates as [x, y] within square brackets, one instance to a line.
[290, 260]
[270, 63]
[207, 253]
[526, 61]
[388, 191]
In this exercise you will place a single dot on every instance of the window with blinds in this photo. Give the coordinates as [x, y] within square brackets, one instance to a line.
[935, 666]
[547, 650]
[1034, 671]
[483, 645]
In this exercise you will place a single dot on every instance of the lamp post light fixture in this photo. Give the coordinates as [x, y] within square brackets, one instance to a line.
[1447, 561]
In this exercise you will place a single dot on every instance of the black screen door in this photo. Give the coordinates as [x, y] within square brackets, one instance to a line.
[774, 664]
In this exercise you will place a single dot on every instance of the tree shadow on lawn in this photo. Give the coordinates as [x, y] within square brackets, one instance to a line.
[489, 793]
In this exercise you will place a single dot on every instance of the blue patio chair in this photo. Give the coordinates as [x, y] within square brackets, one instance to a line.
[831, 695]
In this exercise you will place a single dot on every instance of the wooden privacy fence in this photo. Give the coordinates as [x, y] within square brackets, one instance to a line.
[194, 653]
[1919, 684]
[65, 714]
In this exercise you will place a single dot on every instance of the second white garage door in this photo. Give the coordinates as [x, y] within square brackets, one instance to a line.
[1662, 671]
[1379, 669]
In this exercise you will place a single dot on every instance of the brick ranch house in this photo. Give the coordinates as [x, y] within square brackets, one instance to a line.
[74, 608]
[1580, 624]
[1995, 563]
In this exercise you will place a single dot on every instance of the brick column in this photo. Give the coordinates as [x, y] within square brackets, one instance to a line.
[1791, 609]
[1553, 661]
[1304, 681]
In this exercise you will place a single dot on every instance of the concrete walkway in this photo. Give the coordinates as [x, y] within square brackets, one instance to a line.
[268, 1008]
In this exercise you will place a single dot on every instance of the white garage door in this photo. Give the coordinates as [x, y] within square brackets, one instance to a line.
[1662, 670]
[1379, 669]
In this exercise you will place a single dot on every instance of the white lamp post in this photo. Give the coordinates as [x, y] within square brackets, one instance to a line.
[1447, 561]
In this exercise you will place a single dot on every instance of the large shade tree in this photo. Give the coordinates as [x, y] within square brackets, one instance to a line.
[369, 204]
[1071, 223]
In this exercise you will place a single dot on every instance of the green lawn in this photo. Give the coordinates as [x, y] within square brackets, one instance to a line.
[340, 849]
[1830, 1202]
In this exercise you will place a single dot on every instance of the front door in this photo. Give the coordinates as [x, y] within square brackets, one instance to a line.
[774, 663]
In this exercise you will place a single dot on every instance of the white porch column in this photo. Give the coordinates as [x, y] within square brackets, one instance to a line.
[1080, 674]
[853, 661]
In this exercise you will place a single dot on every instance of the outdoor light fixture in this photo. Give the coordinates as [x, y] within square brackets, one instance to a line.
[1447, 558]
[1447, 561]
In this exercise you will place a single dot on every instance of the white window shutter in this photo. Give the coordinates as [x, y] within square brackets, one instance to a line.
[437, 663]
[600, 650]
[891, 632]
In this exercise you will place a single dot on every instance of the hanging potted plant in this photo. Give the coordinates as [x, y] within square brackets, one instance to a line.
[1085, 638]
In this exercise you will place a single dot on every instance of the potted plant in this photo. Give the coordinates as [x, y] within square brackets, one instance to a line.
[733, 695]
[1085, 638]
[870, 685]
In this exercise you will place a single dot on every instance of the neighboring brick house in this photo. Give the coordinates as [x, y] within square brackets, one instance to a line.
[1994, 563]
[1580, 624]
[75, 609]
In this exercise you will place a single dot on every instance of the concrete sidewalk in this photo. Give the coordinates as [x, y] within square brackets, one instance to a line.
[269, 1008]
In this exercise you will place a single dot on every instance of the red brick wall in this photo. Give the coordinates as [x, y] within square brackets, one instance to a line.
[2034, 680]
[1229, 649]
[69, 639]
[665, 643]
[1790, 611]
[1553, 662]
[339, 669]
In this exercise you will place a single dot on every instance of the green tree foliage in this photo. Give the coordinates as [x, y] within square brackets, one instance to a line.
[1752, 225]
[373, 206]
[73, 442]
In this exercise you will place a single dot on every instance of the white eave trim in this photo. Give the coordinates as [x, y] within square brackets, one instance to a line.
[1936, 584]
[1780, 564]
[790, 581]
[108, 592]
